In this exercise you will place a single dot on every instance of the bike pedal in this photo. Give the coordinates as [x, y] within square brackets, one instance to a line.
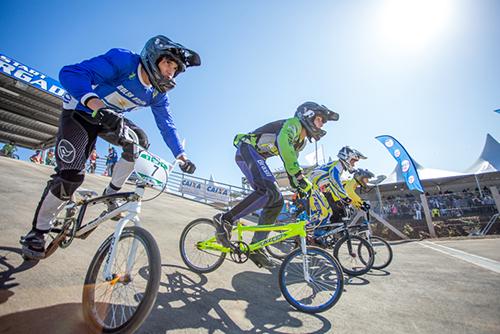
[31, 255]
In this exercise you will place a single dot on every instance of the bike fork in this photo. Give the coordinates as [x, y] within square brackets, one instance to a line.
[305, 261]
[108, 275]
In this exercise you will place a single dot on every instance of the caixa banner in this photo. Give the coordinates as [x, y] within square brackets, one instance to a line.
[30, 76]
[209, 191]
[405, 162]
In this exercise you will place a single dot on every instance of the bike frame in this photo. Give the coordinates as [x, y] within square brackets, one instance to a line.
[132, 207]
[288, 231]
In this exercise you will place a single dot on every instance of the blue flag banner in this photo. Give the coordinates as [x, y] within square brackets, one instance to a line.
[405, 162]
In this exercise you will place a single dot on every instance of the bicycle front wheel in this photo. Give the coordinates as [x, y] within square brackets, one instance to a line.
[122, 303]
[321, 290]
[382, 252]
[195, 257]
[354, 254]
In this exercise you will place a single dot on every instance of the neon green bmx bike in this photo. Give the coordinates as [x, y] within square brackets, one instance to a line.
[310, 279]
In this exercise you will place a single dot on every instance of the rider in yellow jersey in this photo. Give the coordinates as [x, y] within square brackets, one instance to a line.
[322, 212]
[328, 179]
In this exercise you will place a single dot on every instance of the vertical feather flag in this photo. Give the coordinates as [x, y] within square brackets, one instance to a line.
[405, 162]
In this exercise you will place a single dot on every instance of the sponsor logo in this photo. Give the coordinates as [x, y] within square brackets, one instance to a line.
[411, 179]
[156, 161]
[271, 240]
[66, 151]
[389, 143]
[191, 184]
[66, 98]
[309, 113]
[264, 168]
[405, 165]
[397, 153]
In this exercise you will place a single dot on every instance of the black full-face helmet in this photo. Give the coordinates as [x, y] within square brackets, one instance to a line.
[308, 111]
[159, 47]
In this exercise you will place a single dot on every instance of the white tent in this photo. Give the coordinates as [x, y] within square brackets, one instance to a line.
[489, 159]
[424, 173]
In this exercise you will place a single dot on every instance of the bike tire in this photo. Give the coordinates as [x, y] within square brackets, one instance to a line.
[351, 262]
[328, 272]
[218, 257]
[148, 297]
[282, 249]
[380, 244]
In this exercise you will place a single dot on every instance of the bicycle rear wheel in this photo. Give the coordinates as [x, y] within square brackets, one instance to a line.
[199, 260]
[354, 254]
[382, 252]
[120, 305]
[324, 287]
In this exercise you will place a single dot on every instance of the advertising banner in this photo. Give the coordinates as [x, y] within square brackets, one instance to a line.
[30, 76]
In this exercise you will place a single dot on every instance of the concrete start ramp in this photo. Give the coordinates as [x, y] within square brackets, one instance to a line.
[424, 290]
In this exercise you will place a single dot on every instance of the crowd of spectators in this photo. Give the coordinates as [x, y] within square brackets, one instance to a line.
[50, 159]
[445, 204]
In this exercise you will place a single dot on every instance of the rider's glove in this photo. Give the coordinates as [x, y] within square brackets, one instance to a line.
[108, 118]
[188, 167]
[304, 185]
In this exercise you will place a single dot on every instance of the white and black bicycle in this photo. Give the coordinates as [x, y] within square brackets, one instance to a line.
[123, 278]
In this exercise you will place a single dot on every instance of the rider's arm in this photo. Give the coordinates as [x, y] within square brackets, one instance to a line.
[337, 183]
[289, 133]
[350, 187]
[166, 125]
[78, 79]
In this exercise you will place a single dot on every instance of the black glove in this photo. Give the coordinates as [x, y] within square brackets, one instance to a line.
[365, 206]
[188, 167]
[108, 118]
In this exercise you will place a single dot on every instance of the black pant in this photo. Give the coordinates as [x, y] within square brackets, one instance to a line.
[76, 138]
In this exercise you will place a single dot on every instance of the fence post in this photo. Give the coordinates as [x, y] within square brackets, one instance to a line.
[182, 185]
[205, 190]
[428, 218]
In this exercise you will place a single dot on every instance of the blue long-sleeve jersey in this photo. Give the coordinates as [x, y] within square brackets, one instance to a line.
[115, 78]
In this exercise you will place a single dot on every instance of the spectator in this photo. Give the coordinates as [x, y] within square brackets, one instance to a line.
[8, 150]
[111, 160]
[93, 161]
[417, 207]
[37, 157]
[50, 159]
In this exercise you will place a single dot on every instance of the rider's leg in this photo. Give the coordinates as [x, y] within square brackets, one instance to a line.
[125, 166]
[259, 176]
[246, 158]
[75, 138]
[270, 212]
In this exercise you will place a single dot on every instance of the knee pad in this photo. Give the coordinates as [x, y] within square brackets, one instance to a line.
[65, 184]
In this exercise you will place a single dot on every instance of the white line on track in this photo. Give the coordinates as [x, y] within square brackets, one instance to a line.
[471, 258]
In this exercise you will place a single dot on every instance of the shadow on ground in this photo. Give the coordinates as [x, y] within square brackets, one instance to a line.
[11, 262]
[189, 305]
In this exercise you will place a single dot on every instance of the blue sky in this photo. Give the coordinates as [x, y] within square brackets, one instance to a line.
[426, 72]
